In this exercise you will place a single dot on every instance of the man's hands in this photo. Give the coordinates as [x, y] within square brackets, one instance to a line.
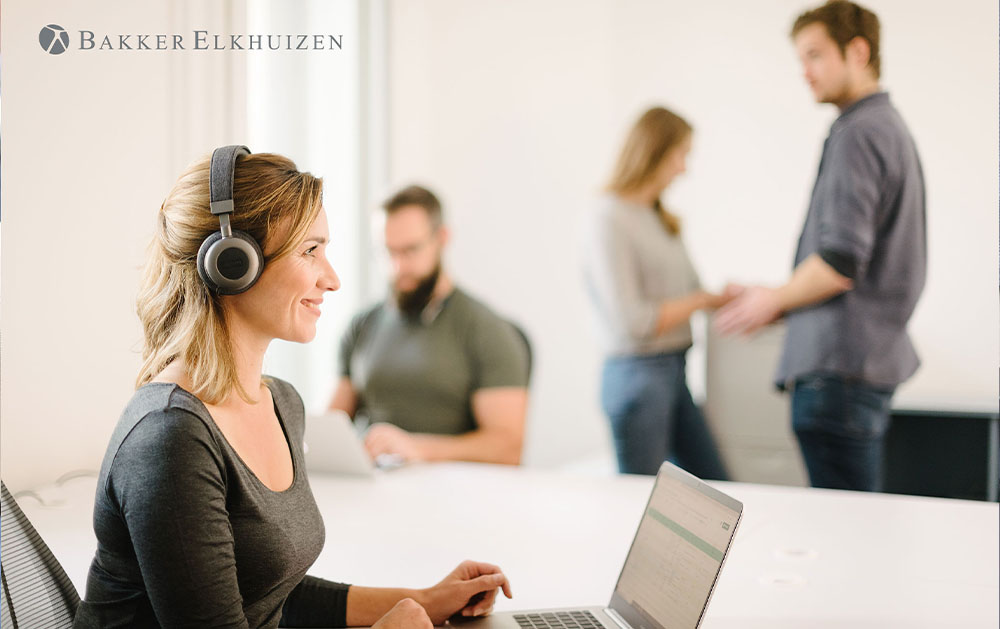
[813, 281]
[752, 309]
[714, 301]
[469, 590]
[499, 412]
[386, 439]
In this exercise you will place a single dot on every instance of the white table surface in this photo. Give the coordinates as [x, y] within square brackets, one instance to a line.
[802, 557]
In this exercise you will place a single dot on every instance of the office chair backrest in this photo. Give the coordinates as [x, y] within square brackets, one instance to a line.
[527, 345]
[36, 593]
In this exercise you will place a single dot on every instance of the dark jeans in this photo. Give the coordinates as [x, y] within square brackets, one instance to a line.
[653, 417]
[841, 426]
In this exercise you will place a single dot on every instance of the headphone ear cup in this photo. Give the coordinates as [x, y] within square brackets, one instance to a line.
[203, 273]
[230, 266]
[256, 256]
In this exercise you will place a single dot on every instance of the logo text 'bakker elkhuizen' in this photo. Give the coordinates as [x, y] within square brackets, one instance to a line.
[55, 40]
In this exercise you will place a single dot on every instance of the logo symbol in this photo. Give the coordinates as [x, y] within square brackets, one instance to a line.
[54, 39]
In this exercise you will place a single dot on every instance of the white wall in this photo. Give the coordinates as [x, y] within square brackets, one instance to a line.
[514, 111]
[308, 107]
[92, 142]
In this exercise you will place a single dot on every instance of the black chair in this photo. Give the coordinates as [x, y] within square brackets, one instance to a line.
[527, 345]
[36, 592]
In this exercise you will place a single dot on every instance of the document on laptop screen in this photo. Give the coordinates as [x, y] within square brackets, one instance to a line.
[677, 552]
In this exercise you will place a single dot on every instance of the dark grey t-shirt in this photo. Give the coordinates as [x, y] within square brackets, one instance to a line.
[188, 536]
[420, 374]
[867, 204]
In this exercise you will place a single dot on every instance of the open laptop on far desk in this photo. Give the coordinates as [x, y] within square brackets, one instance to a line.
[671, 569]
[333, 446]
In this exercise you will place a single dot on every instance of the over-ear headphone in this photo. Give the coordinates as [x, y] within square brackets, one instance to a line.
[229, 262]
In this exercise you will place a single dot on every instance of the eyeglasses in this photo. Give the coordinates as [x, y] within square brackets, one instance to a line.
[411, 251]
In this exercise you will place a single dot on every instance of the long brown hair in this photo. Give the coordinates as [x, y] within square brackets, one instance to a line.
[653, 136]
[180, 316]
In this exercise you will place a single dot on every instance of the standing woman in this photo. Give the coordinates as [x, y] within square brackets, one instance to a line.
[644, 291]
[204, 516]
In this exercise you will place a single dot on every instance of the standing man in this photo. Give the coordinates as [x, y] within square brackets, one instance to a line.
[860, 264]
[438, 373]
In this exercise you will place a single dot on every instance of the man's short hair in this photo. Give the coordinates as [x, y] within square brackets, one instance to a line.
[844, 21]
[419, 196]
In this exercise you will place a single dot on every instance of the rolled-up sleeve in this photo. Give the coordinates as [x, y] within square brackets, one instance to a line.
[854, 175]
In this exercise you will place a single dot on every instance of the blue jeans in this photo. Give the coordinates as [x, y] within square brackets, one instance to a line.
[840, 425]
[653, 417]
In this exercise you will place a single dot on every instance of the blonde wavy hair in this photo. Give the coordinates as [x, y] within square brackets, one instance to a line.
[180, 316]
[652, 137]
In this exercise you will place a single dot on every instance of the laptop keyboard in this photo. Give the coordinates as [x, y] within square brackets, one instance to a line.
[558, 620]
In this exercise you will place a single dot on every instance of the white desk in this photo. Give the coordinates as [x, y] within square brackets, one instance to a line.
[802, 557]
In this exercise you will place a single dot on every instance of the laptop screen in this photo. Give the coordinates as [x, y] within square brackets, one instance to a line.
[677, 553]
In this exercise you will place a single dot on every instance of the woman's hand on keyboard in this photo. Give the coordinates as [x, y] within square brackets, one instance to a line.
[470, 590]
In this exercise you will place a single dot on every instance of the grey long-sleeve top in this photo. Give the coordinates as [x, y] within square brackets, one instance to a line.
[631, 265]
[188, 536]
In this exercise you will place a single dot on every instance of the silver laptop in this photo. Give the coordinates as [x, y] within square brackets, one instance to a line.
[671, 569]
[333, 446]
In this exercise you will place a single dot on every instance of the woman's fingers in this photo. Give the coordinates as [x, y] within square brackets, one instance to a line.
[484, 593]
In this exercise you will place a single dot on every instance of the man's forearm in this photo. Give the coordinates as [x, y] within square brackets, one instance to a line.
[344, 398]
[482, 445]
[813, 281]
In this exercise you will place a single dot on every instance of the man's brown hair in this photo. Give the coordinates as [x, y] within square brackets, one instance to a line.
[844, 21]
[419, 196]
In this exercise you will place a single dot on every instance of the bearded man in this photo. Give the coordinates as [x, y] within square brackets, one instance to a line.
[437, 373]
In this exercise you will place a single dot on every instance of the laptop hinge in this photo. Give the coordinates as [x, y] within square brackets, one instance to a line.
[615, 616]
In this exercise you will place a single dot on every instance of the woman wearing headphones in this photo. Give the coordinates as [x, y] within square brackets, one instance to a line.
[644, 290]
[204, 516]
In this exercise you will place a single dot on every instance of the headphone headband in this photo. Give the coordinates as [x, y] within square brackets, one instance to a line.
[229, 262]
[223, 170]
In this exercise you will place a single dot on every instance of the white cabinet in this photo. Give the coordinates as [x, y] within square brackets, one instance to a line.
[747, 414]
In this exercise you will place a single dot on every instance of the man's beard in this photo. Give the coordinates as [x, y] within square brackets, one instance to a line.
[412, 302]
